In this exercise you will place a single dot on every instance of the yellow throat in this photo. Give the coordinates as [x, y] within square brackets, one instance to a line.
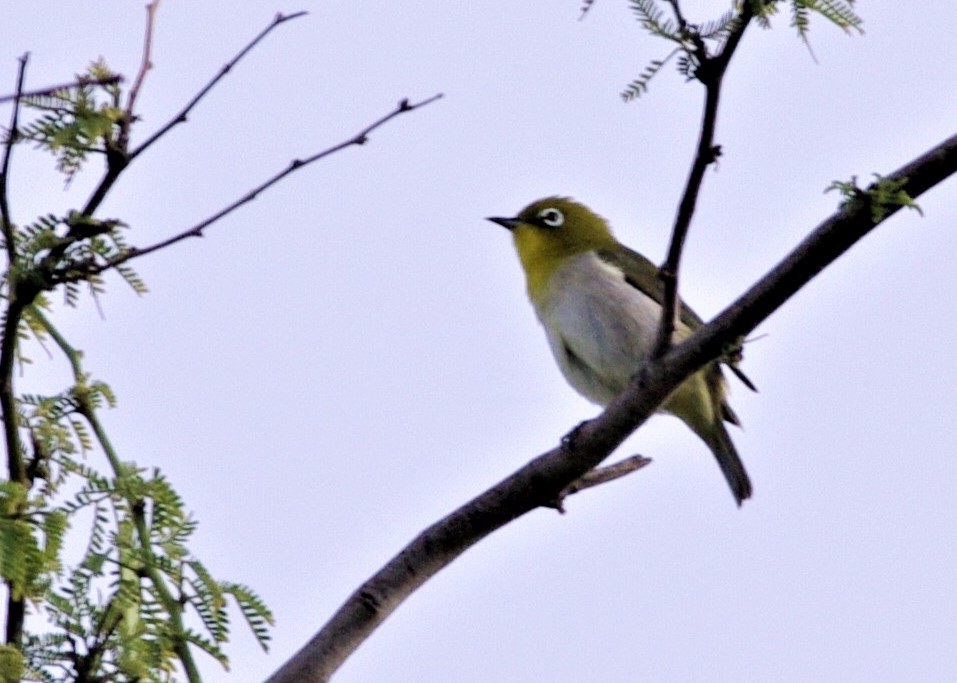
[552, 230]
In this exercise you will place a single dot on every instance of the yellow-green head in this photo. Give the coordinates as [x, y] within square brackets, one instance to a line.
[551, 230]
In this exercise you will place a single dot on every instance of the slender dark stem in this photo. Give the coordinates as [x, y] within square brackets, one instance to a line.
[16, 463]
[150, 566]
[81, 271]
[72, 355]
[49, 90]
[6, 219]
[682, 22]
[16, 616]
[710, 72]
[669, 270]
[118, 155]
[115, 163]
[184, 113]
[823, 246]
[147, 62]
[171, 605]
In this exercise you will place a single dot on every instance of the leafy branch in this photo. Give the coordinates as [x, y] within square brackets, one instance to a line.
[138, 603]
[705, 52]
[884, 195]
[696, 41]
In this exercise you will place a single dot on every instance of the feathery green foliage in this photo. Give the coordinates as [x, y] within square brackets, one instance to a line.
[135, 602]
[883, 196]
[697, 43]
[116, 599]
[640, 85]
[76, 122]
[113, 600]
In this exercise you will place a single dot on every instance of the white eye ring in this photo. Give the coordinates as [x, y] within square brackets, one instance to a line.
[552, 217]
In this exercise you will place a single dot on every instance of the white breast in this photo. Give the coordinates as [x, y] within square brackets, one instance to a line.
[599, 327]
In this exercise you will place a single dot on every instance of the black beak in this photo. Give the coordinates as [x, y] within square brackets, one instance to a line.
[510, 223]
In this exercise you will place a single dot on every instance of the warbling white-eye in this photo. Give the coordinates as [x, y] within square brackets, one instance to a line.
[600, 304]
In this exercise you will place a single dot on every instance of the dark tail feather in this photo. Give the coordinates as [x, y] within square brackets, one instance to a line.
[741, 376]
[727, 456]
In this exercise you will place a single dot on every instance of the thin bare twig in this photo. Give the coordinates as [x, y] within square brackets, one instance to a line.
[182, 115]
[147, 63]
[81, 271]
[599, 476]
[710, 72]
[49, 90]
[118, 155]
[6, 219]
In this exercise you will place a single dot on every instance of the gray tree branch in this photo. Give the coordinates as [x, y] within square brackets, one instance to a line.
[541, 481]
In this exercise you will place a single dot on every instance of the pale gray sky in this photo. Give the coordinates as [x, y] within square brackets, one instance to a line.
[352, 356]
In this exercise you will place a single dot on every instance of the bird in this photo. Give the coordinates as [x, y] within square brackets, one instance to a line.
[600, 304]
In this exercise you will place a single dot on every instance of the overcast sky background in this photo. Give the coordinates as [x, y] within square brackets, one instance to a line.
[351, 356]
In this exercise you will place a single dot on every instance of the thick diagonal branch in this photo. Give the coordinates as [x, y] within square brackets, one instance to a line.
[540, 481]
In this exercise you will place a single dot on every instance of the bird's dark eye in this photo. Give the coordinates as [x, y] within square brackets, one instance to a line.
[551, 217]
